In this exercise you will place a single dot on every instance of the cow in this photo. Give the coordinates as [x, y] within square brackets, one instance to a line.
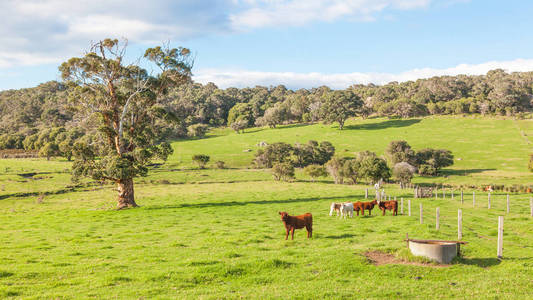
[389, 205]
[357, 206]
[297, 222]
[346, 210]
[335, 207]
[368, 206]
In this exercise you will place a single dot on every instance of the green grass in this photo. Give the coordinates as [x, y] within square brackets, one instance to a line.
[213, 234]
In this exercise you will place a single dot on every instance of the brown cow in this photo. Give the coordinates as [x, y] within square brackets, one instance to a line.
[297, 222]
[367, 206]
[358, 206]
[389, 205]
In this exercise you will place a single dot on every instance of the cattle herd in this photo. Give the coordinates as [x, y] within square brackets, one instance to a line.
[345, 210]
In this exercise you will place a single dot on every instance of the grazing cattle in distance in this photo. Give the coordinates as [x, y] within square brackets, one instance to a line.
[368, 206]
[357, 206]
[335, 207]
[297, 222]
[346, 210]
[389, 205]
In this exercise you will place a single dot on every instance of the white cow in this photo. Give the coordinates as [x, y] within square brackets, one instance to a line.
[334, 207]
[346, 209]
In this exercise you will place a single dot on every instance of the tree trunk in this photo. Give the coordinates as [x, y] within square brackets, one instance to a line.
[126, 196]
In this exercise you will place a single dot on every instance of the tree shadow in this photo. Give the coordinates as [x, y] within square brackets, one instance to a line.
[383, 125]
[242, 203]
[296, 125]
[464, 172]
[341, 236]
[480, 262]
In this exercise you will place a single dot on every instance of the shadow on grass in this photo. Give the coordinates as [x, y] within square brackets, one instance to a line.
[383, 125]
[480, 262]
[341, 236]
[464, 172]
[237, 203]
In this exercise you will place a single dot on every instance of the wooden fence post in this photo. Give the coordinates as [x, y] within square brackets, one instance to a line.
[474, 199]
[437, 225]
[459, 224]
[421, 214]
[508, 204]
[500, 237]
[409, 207]
[401, 206]
[366, 193]
[488, 204]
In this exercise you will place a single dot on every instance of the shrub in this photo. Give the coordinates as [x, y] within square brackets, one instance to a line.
[197, 130]
[283, 171]
[427, 170]
[201, 160]
[49, 150]
[399, 151]
[239, 125]
[374, 168]
[315, 171]
[351, 169]
[403, 172]
[220, 164]
[334, 167]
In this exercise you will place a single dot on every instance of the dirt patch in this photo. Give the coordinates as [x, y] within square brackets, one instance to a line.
[379, 258]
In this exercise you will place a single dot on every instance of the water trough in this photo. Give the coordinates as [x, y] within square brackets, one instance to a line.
[440, 251]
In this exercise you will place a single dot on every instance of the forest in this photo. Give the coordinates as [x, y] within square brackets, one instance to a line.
[42, 119]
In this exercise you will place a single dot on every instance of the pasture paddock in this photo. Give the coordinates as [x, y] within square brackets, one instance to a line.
[216, 233]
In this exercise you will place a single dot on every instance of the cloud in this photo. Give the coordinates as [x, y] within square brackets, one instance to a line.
[37, 32]
[243, 78]
[262, 13]
[34, 32]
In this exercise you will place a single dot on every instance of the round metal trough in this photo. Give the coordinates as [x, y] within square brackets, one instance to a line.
[440, 251]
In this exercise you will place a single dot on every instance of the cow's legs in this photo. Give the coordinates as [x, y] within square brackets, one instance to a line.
[292, 234]
[287, 234]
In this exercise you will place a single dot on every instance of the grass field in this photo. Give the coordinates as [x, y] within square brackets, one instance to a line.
[215, 234]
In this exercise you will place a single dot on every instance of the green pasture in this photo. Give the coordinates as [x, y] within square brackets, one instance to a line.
[216, 234]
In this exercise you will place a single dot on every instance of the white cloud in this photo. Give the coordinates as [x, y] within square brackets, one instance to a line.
[242, 78]
[263, 13]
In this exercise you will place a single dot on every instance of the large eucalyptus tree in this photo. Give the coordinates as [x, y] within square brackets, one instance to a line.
[127, 103]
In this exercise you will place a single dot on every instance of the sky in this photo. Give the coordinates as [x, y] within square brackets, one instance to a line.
[297, 43]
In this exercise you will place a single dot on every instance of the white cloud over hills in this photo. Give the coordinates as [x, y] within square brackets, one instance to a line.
[244, 78]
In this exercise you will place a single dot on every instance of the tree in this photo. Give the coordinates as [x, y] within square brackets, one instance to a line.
[315, 171]
[239, 125]
[201, 160]
[283, 171]
[374, 169]
[241, 112]
[197, 130]
[430, 161]
[334, 167]
[351, 169]
[338, 106]
[399, 151]
[403, 172]
[273, 153]
[49, 150]
[129, 107]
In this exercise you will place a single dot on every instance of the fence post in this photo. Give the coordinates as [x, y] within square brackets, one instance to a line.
[401, 206]
[452, 195]
[508, 204]
[488, 205]
[500, 237]
[459, 224]
[437, 225]
[474, 199]
[462, 199]
[366, 193]
[421, 214]
[409, 207]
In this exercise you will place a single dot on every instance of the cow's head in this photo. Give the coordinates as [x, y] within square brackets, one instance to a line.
[284, 215]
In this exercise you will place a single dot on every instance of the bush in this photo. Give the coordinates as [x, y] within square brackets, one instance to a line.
[427, 170]
[49, 150]
[315, 171]
[283, 171]
[220, 164]
[334, 167]
[351, 169]
[197, 130]
[239, 126]
[201, 160]
[403, 172]
[374, 168]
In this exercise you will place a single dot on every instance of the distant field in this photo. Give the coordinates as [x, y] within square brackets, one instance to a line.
[216, 234]
[486, 150]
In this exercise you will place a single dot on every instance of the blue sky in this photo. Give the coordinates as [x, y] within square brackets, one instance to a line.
[299, 43]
